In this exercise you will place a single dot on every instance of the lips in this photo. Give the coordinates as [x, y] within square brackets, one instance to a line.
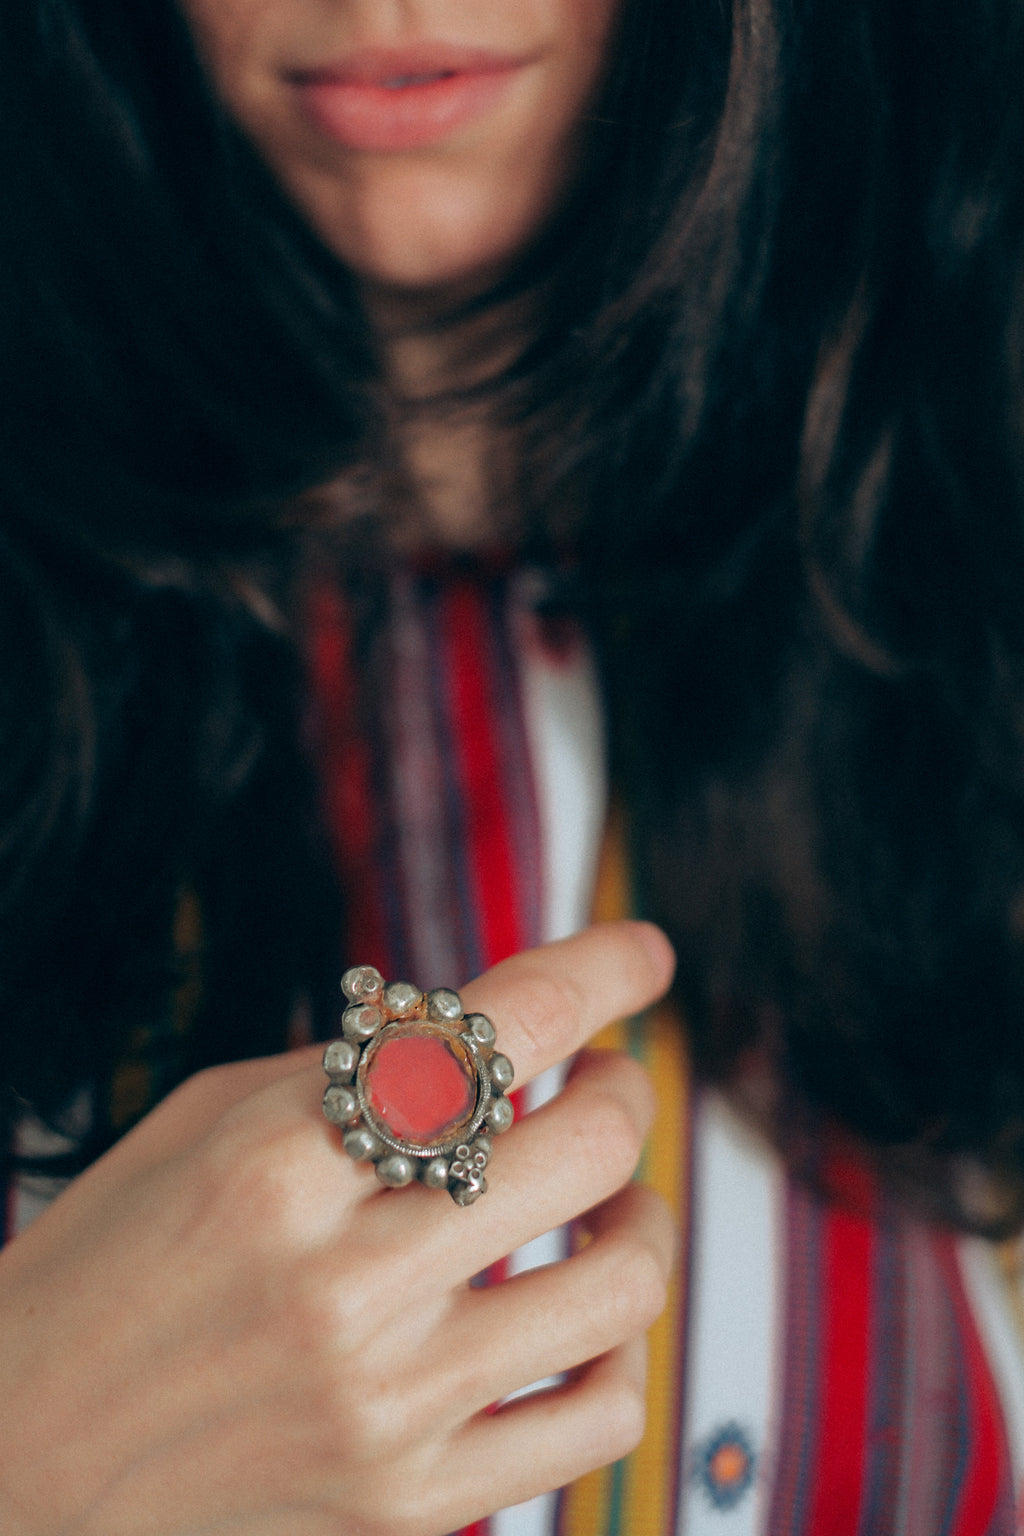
[393, 99]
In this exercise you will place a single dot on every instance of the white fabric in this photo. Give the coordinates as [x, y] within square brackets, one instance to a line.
[563, 721]
[29, 1194]
[737, 1291]
[987, 1290]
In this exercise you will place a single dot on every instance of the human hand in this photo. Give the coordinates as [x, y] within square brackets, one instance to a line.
[225, 1325]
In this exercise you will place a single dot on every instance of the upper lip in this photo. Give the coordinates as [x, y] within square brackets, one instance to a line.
[379, 65]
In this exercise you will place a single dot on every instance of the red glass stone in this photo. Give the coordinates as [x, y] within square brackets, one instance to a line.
[421, 1084]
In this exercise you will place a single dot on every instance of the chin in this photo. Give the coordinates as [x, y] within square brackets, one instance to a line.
[420, 235]
[427, 273]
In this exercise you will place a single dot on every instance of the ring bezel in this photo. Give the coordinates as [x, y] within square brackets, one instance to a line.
[484, 1088]
[380, 1012]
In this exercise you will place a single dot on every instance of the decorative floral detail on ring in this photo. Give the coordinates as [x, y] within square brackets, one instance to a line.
[467, 1170]
[724, 1466]
[414, 1083]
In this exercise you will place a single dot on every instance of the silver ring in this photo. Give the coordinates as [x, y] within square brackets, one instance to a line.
[416, 1085]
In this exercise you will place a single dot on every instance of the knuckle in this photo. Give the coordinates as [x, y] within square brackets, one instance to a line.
[317, 1324]
[335, 1402]
[336, 1317]
[619, 1138]
[641, 1288]
[207, 1082]
[260, 1185]
[204, 1182]
[641, 1088]
[354, 1308]
[370, 1416]
[543, 1001]
[613, 1078]
[624, 1419]
[408, 1507]
[193, 1101]
[197, 1088]
[365, 1406]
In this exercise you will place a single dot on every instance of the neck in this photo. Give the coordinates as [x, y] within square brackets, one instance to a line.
[457, 457]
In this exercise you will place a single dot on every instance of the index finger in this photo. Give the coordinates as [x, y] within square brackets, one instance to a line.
[546, 1003]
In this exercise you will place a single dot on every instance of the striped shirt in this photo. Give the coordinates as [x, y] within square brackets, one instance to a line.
[821, 1369]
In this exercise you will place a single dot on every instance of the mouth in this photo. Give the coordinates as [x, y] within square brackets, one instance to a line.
[405, 82]
[387, 100]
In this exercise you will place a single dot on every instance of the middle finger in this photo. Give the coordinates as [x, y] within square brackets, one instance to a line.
[557, 1162]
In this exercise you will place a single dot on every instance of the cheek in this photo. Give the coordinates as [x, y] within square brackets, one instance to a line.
[219, 31]
[236, 39]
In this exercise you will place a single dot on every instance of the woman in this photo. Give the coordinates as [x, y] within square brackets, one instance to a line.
[323, 324]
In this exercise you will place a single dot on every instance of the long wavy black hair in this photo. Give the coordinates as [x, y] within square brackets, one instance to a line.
[778, 377]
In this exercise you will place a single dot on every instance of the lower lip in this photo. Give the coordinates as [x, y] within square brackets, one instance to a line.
[361, 115]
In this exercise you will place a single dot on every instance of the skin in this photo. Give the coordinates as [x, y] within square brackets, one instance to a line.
[424, 229]
[445, 219]
[225, 1325]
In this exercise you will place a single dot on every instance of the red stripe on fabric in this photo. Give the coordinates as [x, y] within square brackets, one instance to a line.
[846, 1333]
[986, 1480]
[347, 777]
[480, 770]
[490, 846]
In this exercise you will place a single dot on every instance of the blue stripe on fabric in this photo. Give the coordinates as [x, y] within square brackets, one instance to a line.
[801, 1403]
[886, 1379]
[961, 1427]
[516, 762]
[467, 939]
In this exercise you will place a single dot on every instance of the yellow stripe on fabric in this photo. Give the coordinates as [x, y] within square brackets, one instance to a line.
[1011, 1272]
[613, 893]
[638, 1496]
[649, 1502]
[133, 1089]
